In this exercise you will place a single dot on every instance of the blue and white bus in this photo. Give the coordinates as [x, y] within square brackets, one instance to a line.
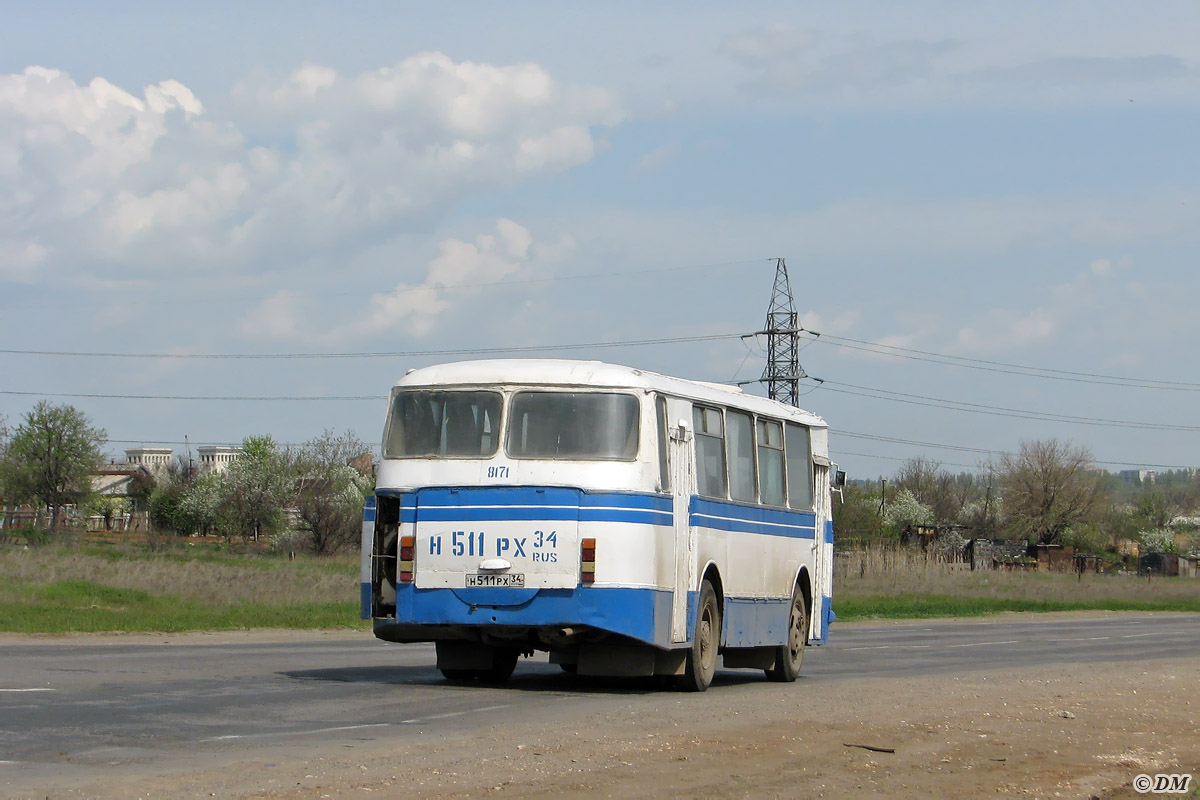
[625, 522]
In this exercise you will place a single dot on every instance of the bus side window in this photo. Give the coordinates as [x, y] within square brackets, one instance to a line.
[710, 452]
[664, 472]
[741, 456]
[770, 462]
[799, 467]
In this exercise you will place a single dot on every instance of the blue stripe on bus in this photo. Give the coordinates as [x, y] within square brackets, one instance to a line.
[744, 518]
[503, 513]
[653, 502]
[829, 531]
[534, 496]
[365, 600]
[499, 503]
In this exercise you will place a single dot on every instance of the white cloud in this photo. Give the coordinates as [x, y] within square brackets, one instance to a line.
[488, 259]
[1068, 302]
[315, 162]
[841, 322]
[278, 317]
[1083, 70]
[1003, 330]
[459, 272]
[782, 58]
[659, 156]
[949, 62]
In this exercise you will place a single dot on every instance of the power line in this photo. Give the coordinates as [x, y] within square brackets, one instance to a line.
[999, 411]
[983, 451]
[393, 354]
[266, 398]
[894, 351]
[898, 458]
[914, 442]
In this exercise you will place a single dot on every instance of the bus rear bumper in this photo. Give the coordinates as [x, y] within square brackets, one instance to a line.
[640, 614]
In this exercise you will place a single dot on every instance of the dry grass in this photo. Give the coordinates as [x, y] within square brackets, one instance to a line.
[890, 572]
[216, 580]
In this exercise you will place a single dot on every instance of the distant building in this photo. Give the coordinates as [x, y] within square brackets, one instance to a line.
[216, 457]
[115, 481]
[155, 459]
[1137, 475]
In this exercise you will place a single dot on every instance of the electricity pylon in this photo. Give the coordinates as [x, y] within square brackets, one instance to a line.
[783, 372]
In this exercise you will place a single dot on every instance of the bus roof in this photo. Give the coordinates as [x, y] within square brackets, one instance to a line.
[595, 374]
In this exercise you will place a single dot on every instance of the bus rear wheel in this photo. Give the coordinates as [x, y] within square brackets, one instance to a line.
[789, 656]
[503, 664]
[701, 663]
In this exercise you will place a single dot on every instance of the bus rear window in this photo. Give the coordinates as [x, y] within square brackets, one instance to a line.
[426, 423]
[573, 425]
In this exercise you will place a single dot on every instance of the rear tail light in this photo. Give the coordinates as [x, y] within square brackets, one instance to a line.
[587, 561]
[408, 545]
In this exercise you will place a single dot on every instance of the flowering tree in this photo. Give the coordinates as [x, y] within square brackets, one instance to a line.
[329, 491]
[1158, 540]
[906, 511]
[254, 490]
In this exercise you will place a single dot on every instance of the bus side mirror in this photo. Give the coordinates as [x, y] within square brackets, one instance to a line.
[838, 484]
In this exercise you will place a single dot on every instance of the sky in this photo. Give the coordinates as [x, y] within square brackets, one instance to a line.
[989, 211]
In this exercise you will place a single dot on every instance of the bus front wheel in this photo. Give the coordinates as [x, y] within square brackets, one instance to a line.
[701, 662]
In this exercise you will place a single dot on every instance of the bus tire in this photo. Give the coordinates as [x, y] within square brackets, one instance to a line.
[788, 657]
[503, 663]
[701, 662]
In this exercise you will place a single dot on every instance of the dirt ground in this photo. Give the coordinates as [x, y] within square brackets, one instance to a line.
[1082, 731]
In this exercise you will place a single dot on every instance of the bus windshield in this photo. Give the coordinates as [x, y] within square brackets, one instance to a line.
[573, 425]
[426, 423]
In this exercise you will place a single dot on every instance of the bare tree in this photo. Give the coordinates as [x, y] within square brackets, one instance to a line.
[1048, 487]
[944, 492]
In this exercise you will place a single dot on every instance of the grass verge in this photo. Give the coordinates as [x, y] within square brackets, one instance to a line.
[83, 606]
[64, 589]
[912, 606]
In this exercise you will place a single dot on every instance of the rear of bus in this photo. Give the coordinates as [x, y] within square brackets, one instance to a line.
[516, 513]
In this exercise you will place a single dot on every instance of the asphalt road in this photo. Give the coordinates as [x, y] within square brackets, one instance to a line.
[83, 706]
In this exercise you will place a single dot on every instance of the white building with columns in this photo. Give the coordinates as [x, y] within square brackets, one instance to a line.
[216, 457]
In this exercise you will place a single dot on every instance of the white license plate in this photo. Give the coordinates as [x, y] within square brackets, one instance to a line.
[516, 579]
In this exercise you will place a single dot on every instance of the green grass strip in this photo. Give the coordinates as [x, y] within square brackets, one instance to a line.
[79, 606]
[912, 606]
